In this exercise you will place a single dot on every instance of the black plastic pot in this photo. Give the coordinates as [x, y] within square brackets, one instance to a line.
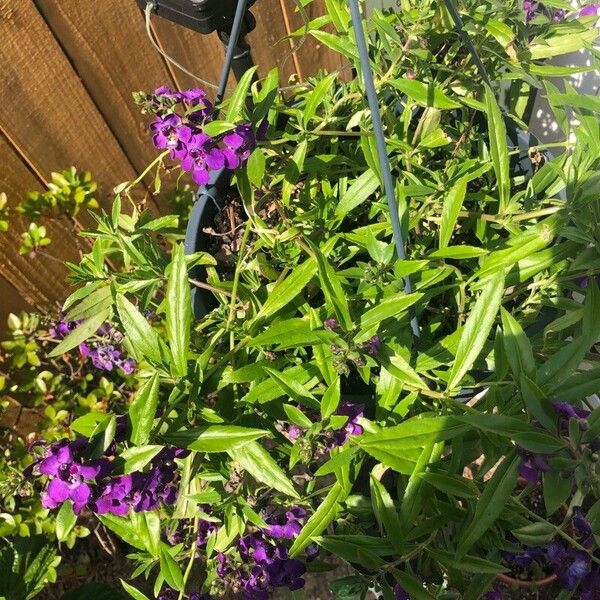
[209, 202]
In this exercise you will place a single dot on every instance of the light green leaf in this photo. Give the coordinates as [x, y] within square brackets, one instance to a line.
[170, 570]
[390, 306]
[498, 147]
[261, 465]
[362, 189]
[237, 101]
[65, 521]
[142, 411]
[215, 438]
[477, 329]
[423, 94]
[316, 97]
[452, 204]
[517, 346]
[143, 338]
[320, 519]
[178, 312]
[133, 592]
[81, 333]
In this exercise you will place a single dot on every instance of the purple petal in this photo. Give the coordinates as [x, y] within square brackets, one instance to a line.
[215, 159]
[58, 491]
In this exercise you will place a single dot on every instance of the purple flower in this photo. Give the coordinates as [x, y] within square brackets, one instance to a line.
[106, 357]
[373, 345]
[590, 587]
[353, 412]
[494, 594]
[205, 528]
[202, 157]
[165, 131]
[400, 593]
[112, 497]
[524, 558]
[331, 324]
[570, 565]
[239, 144]
[164, 91]
[567, 411]
[69, 477]
[286, 525]
[592, 10]
[61, 329]
[581, 524]
[532, 466]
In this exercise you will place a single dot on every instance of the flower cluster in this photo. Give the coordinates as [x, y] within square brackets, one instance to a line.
[533, 9]
[168, 594]
[182, 133]
[103, 351]
[91, 484]
[352, 427]
[266, 564]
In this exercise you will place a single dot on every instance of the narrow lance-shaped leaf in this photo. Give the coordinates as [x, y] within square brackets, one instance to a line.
[498, 147]
[178, 312]
[65, 521]
[81, 333]
[493, 501]
[452, 204]
[477, 328]
[517, 346]
[320, 519]
[261, 465]
[143, 410]
[143, 338]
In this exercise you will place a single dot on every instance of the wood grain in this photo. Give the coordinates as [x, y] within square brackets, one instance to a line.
[45, 107]
[106, 43]
[39, 281]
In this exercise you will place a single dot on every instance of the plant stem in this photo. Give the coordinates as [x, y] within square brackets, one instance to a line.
[190, 564]
[236, 277]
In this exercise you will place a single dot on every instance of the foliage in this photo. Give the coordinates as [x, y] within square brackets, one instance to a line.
[302, 418]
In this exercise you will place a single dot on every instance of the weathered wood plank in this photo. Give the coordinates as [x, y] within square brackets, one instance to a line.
[44, 106]
[40, 281]
[106, 43]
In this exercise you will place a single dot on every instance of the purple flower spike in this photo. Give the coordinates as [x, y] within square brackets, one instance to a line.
[567, 411]
[590, 587]
[532, 466]
[494, 594]
[373, 345]
[353, 412]
[286, 526]
[570, 565]
[581, 524]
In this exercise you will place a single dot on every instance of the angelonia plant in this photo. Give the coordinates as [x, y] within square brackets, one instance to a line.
[302, 419]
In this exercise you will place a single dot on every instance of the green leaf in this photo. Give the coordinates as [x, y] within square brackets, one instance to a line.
[292, 387]
[535, 534]
[493, 501]
[389, 307]
[87, 424]
[316, 97]
[332, 288]
[137, 457]
[477, 328]
[215, 438]
[412, 586]
[453, 485]
[501, 31]
[452, 204]
[320, 519]
[416, 432]
[331, 399]
[286, 290]
[538, 405]
[470, 564]
[362, 189]
[517, 346]
[143, 338]
[133, 592]
[178, 309]
[350, 552]
[498, 147]
[170, 570]
[81, 333]
[98, 301]
[261, 465]
[557, 490]
[561, 44]
[423, 94]
[65, 521]
[142, 411]
[237, 101]
[296, 416]
[255, 167]
[124, 529]
[458, 252]
[289, 333]
[386, 514]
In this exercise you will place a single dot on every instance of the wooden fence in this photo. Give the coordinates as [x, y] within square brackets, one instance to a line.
[67, 71]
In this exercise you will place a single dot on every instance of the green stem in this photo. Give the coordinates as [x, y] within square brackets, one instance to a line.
[236, 277]
[190, 564]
